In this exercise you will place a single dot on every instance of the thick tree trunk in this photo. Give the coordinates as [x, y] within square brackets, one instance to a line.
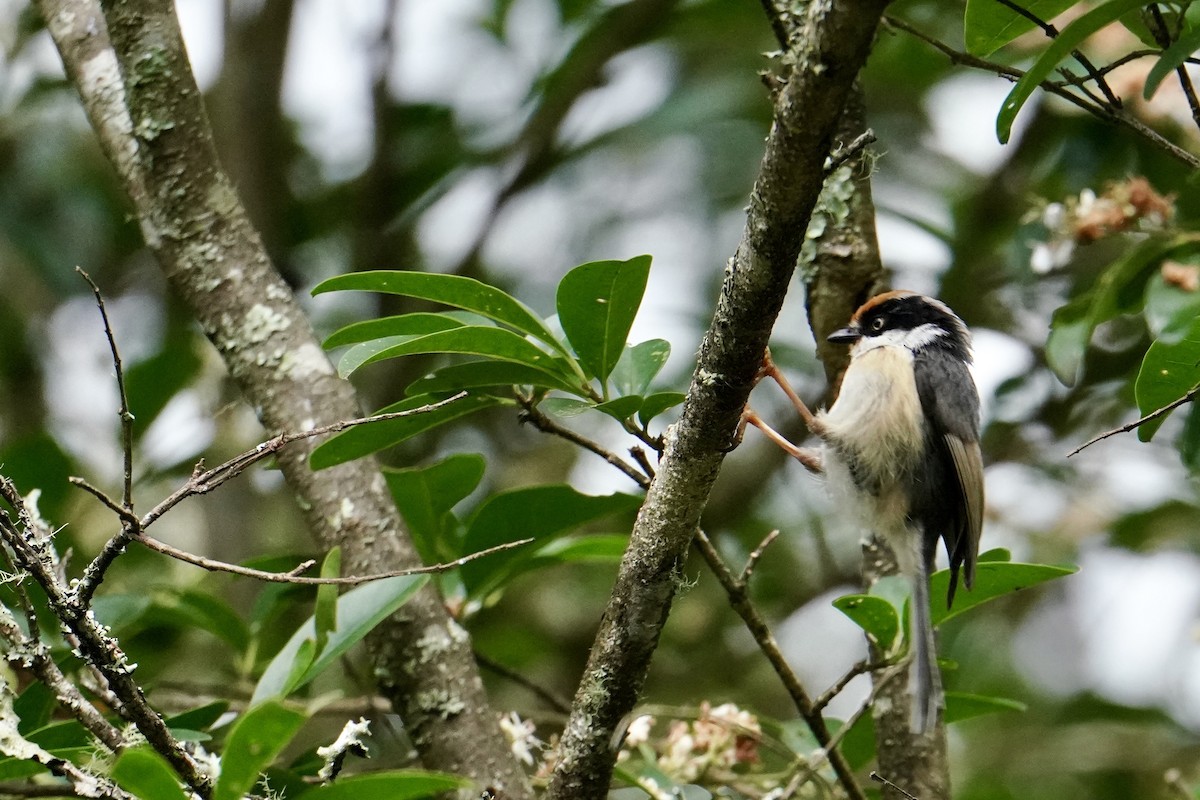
[143, 102]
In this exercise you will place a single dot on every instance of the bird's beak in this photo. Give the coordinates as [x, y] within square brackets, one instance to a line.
[848, 335]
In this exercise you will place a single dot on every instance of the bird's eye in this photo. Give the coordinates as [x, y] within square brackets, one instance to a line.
[877, 324]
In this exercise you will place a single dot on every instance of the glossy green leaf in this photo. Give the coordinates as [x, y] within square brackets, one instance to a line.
[147, 775]
[325, 609]
[1168, 372]
[596, 306]
[1060, 48]
[639, 365]
[359, 610]
[992, 579]
[302, 659]
[1169, 310]
[565, 407]
[491, 374]
[537, 512]
[425, 495]
[393, 785]
[875, 615]
[1171, 59]
[656, 404]
[385, 327]
[254, 743]
[620, 408]
[1120, 290]
[452, 290]
[595, 548]
[989, 25]
[471, 340]
[960, 706]
[372, 437]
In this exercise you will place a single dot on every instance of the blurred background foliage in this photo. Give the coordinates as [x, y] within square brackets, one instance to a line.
[511, 140]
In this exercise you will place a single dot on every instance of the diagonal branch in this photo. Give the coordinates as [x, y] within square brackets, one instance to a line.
[834, 40]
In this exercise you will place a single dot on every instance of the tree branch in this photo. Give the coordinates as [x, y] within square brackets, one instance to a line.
[141, 98]
[1140, 421]
[833, 44]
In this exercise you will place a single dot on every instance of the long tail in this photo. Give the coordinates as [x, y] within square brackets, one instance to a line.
[924, 679]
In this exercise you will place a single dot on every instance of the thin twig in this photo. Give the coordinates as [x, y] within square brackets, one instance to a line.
[1163, 37]
[123, 411]
[740, 602]
[875, 776]
[1112, 115]
[533, 415]
[1052, 33]
[548, 697]
[204, 481]
[850, 151]
[755, 555]
[201, 482]
[861, 668]
[778, 25]
[293, 575]
[1137, 423]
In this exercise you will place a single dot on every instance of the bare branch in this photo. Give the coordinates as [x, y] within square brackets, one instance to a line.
[533, 415]
[293, 575]
[1116, 116]
[1139, 422]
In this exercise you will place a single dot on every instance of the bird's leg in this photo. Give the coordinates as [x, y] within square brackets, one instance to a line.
[769, 370]
[809, 458]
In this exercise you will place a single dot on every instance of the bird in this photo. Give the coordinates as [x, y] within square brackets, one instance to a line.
[901, 448]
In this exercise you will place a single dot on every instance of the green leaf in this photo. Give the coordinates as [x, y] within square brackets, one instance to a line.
[1120, 290]
[372, 437]
[1169, 309]
[393, 785]
[425, 496]
[489, 374]
[1171, 59]
[385, 327]
[639, 365]
[565, 406]
[452, 290]
[656, 404]
[359, 610]
[875, 615]
[538, 512]
[601, 548]
[254, 743]
[1168, 372]
[596, 306]
[200, 718]
[145, 774]
[208, 612]
[1069, 39]
[301, 661]
[989, 25]
[325, 610]
[471, 340]
[992, 579]
[960, 706]
[621, 408]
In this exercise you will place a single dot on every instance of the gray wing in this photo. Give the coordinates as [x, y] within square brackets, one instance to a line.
[951, 404]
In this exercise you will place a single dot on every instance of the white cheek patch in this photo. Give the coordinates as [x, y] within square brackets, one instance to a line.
[911, 340]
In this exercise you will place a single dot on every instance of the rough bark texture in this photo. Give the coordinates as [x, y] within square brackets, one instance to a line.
[833, 45]
[192, 219]
[845, 269]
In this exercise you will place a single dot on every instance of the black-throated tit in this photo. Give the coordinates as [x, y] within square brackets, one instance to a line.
[902, 448]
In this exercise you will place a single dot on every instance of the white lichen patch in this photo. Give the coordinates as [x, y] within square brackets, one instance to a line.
[261, 323]
[306, 362]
